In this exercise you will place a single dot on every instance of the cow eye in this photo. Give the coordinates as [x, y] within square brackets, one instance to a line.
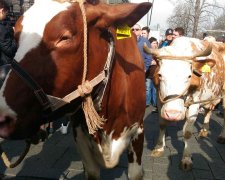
[66, 36]
[64, 39]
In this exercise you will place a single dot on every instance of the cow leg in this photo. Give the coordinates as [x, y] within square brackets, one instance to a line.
[221, 138]
[83, 145]
[159, 148]
[135, 150]
[186, 162]
[205, 127]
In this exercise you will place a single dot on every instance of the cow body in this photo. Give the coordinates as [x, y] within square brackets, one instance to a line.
[185, 83]
[50, 48]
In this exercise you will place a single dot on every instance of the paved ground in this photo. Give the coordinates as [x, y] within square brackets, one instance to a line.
[57, 157]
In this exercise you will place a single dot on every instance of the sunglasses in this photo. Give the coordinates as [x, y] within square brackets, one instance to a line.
[133, 29]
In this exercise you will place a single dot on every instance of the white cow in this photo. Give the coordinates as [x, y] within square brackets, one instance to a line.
[190, 75]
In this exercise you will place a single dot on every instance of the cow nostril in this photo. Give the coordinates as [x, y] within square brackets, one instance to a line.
[5, 120]
[2, 118]
[8, 118]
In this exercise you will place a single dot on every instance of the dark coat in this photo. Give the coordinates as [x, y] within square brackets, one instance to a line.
[7, 43]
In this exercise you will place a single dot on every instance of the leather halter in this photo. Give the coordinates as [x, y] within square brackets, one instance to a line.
[38, 91]
[49, 103]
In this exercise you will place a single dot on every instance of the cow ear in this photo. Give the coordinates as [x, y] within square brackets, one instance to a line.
[105, 15]
[204, 65]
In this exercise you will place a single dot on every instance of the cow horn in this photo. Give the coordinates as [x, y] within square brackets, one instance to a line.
[148, 50]
[206, 52]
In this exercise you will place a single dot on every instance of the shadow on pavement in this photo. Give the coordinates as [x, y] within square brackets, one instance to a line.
[53, 159]
[208, 156]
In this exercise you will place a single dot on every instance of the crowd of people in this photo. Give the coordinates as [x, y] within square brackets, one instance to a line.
[143, 35]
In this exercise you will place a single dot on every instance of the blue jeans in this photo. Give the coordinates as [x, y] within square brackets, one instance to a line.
[150, 93]
[148, 97]
[153, 94]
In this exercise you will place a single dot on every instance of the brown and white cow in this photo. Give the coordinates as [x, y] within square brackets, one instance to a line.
[50, 48]
[190, 72]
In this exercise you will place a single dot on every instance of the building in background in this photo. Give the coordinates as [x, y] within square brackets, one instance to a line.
[17, 8]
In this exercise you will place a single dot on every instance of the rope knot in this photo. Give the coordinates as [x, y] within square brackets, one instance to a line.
[85, 89]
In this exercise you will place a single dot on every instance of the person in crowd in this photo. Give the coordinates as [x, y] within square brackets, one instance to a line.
[168, 39]
[145, 32]
[8, 45]
[150, 73]
[204, 35]
[146, 57]
[220, 39]
[178, 32]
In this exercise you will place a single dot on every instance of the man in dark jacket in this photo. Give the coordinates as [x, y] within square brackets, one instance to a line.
[7, 43]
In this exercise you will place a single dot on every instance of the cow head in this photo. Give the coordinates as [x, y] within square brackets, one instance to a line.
[50, 48]
[179, 72]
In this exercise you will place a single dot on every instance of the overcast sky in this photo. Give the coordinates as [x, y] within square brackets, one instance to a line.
[162, 9]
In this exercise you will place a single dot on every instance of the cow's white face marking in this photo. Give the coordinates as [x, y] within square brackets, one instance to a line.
[175, 74]
[34, 22]
[174, 77]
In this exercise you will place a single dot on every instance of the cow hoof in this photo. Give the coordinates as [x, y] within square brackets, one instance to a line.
[156, 153]
[203, 133]
[186, 164]
[221, 140]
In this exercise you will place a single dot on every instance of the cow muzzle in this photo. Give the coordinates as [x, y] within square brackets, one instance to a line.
[173, 110]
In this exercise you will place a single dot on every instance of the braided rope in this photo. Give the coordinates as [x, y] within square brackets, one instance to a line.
[93, 120]
[85, 40]
[9, 164]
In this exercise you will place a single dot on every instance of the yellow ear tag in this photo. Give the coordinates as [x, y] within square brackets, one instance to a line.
[123, 32]
[206, 68]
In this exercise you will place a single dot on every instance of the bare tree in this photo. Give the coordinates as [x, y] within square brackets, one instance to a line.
[220, 22]
[194, 15]
[181, 17]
